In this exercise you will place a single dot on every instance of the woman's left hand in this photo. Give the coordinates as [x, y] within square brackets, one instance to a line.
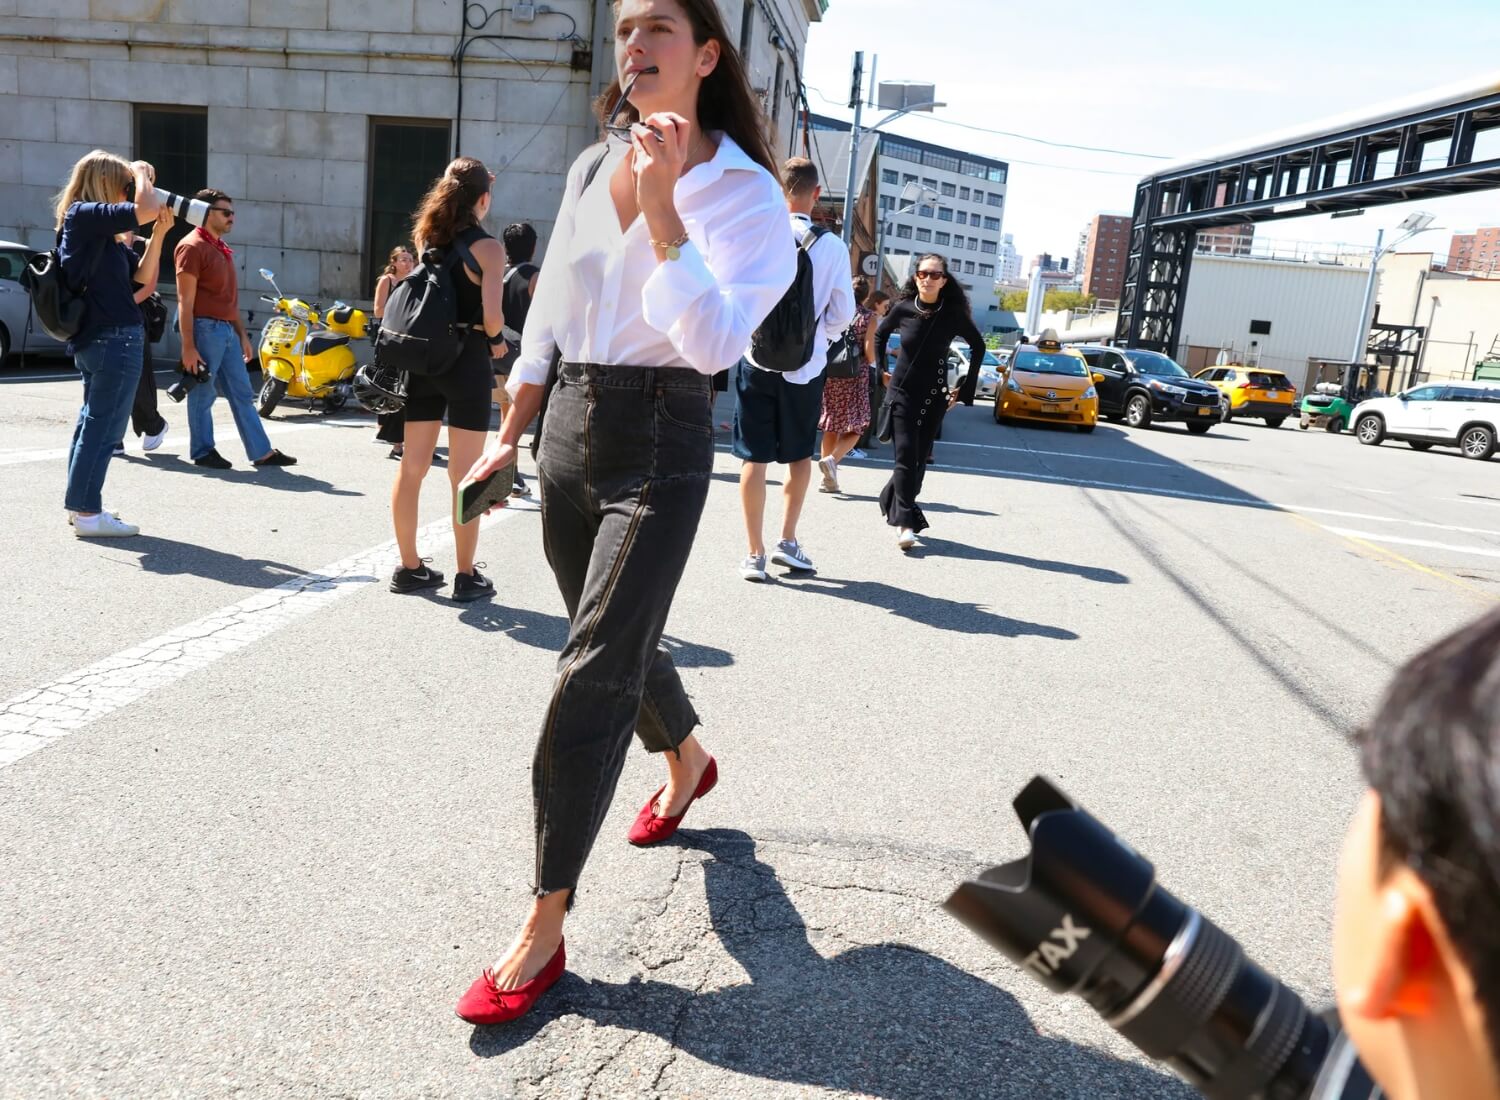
[658, 165]
[952, 398]
[165, 220]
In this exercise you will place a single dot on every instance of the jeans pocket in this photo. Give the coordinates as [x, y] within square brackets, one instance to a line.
[689, 410]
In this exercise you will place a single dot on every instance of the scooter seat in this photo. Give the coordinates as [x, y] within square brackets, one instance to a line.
[325, 341]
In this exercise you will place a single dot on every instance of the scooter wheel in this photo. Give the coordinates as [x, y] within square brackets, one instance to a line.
[271, 393]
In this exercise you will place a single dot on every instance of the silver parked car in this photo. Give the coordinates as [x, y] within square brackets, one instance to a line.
[20, 333]
[989, 371]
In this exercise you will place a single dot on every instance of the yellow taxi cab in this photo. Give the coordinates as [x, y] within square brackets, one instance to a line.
[1253, 391]
[1048, 382]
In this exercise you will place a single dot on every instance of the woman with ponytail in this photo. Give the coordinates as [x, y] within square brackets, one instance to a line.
[450, 217]
[670, 248]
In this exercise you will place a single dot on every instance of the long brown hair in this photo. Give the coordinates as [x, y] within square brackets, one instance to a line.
[97, 177]
[448, 207]
[725, 101]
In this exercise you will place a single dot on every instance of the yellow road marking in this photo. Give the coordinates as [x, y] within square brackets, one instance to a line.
[1400, 559]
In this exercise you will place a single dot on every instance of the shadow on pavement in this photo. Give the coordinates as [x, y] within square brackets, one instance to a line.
[171, 558]
[550, 632]
[934, 611]
[285, 478]
[943, 548]
[887, 1020]
[938, 508]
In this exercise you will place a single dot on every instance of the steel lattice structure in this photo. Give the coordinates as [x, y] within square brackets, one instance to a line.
[1419, 149]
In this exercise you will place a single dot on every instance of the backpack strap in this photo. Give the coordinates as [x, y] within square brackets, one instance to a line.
[588, 177]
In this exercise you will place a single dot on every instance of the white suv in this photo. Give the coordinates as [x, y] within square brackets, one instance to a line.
[1465, 415]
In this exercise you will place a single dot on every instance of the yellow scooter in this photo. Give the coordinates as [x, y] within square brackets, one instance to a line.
[306, 354]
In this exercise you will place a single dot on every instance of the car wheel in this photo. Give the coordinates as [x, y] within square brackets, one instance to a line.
[1334, 426]
[4, 345]
[1138, 411]
[271, 394]
[1370, 430]
[1197, 428]
[1274, 421]
[1419, 445]
[1478, 442]
[1228, 414]
[998, 418]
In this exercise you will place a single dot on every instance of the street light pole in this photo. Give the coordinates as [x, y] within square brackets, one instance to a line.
[857, 101]
[1414, 223]
[854, 154]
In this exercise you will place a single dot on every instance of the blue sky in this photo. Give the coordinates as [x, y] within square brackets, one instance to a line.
[1168, 77]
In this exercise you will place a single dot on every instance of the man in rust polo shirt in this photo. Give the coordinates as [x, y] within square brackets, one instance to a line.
[214, 345]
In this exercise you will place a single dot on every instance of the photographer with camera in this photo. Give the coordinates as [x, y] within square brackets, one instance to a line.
[215, 347]
[1416, 935]
[104, 196]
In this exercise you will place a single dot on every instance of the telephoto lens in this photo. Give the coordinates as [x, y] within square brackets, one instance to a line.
[1084, 914]
[193, 211]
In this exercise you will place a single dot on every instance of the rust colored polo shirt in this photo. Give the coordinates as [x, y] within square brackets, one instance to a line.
[218, 285]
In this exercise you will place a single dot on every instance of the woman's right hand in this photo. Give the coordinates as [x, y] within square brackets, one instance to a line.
[496, 456]
[145, 168]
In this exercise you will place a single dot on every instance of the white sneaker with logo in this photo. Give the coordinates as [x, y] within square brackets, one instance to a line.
[103, 526]
[789, 553]
[906, 538]
[830, 469]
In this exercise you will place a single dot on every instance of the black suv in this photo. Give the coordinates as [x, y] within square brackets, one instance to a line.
[1141, 386]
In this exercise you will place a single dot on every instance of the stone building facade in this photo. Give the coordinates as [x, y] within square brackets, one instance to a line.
[326, 119]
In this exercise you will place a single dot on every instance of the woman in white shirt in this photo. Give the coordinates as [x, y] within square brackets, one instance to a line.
[654, 279]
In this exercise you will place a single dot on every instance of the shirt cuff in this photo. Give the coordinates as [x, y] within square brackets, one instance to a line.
[674, 286]
[528, 372]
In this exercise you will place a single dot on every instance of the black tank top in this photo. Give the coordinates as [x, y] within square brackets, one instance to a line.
[516, 297]
[470, 299]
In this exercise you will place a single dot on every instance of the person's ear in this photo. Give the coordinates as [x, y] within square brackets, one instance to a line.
[708, 57]
[1404, 969]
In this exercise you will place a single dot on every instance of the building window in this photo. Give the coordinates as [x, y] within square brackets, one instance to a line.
[963, 219]
[973, 244]
[901, 151]
[747, 24]
[987, 247]
[995, 199]
[775, 88]
[889, 175]
[174, 140]
[924, 234]
[406, 155]
[987, 270]
[930, 184]
[908, 178]
[949, 190]
[992, 224]
[968, 267]
[945, 214]
[904, 232]
[943, 238]
[941, 160]
[925, 211]
[963, 192]
[887, 202]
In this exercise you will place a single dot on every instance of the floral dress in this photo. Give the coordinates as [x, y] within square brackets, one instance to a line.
[846, 401]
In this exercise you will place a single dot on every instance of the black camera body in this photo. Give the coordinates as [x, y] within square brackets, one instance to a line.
[179, 389]
[1084, 914]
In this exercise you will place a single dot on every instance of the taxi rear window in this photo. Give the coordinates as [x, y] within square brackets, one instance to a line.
[1036, 362]
[1269, 381]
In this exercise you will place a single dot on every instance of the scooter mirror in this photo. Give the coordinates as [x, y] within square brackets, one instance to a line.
[268, 275]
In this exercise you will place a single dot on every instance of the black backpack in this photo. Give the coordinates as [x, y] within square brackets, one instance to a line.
[59, 308]
[421, 332]
[785, 339]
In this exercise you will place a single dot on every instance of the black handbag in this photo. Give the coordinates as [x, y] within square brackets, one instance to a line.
[844, 356]
[154, 313]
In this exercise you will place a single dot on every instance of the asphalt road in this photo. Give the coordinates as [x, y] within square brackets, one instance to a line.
[262, 821]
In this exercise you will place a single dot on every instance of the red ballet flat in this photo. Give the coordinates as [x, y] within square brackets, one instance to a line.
[651, 828]
[485, 1003]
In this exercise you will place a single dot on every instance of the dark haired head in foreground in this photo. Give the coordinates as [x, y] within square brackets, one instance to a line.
[1417, 932]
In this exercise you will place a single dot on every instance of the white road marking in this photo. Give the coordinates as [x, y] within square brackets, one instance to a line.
[1059, 454]
[1390, 519]
[51, 454]
[1425, 543]
[41, 716]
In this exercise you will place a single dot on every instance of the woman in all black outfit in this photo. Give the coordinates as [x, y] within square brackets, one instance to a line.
[931, 312]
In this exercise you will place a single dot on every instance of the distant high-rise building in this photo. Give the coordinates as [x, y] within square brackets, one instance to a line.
[1461, 252]
[1227, 240]
[1010, 259]
[1104, 257]
[1477, 251]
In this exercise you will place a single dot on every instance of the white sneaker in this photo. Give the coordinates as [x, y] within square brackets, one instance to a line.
[753, 568]
[789, 553]
[906, 538]
[119, 451]
[856, 453]
[830, 468]
[151, 442]
[103, 526]
[72, 515]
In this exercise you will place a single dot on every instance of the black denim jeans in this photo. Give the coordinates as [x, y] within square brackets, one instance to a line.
[916, 419]
[625, 459]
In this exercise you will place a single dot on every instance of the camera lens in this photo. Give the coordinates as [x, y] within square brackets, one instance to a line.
[1085, 915]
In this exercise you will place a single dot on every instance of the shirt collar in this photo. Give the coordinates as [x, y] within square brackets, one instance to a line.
[729, 158]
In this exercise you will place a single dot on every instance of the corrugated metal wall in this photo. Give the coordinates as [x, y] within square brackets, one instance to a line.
[1312, 309]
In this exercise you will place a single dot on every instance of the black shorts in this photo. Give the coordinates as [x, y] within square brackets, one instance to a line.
[775, 420]
[463, 392]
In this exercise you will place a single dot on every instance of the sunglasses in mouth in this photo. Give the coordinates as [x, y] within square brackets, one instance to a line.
[611, 123]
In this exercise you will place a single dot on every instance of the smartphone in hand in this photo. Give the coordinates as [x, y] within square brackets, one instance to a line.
[475, 498]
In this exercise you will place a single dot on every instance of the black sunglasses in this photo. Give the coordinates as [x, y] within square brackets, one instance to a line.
[222, 210]
[932, 274]
[610, 124]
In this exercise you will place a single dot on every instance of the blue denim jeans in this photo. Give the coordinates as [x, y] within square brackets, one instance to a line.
[110, 363]
[218, 343]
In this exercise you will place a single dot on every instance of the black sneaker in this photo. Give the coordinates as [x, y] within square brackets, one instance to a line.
[472, 586]
[414, 580]
[213, 461]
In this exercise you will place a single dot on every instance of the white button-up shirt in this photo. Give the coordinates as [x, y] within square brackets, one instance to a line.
[602, 296]
[833, 298]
